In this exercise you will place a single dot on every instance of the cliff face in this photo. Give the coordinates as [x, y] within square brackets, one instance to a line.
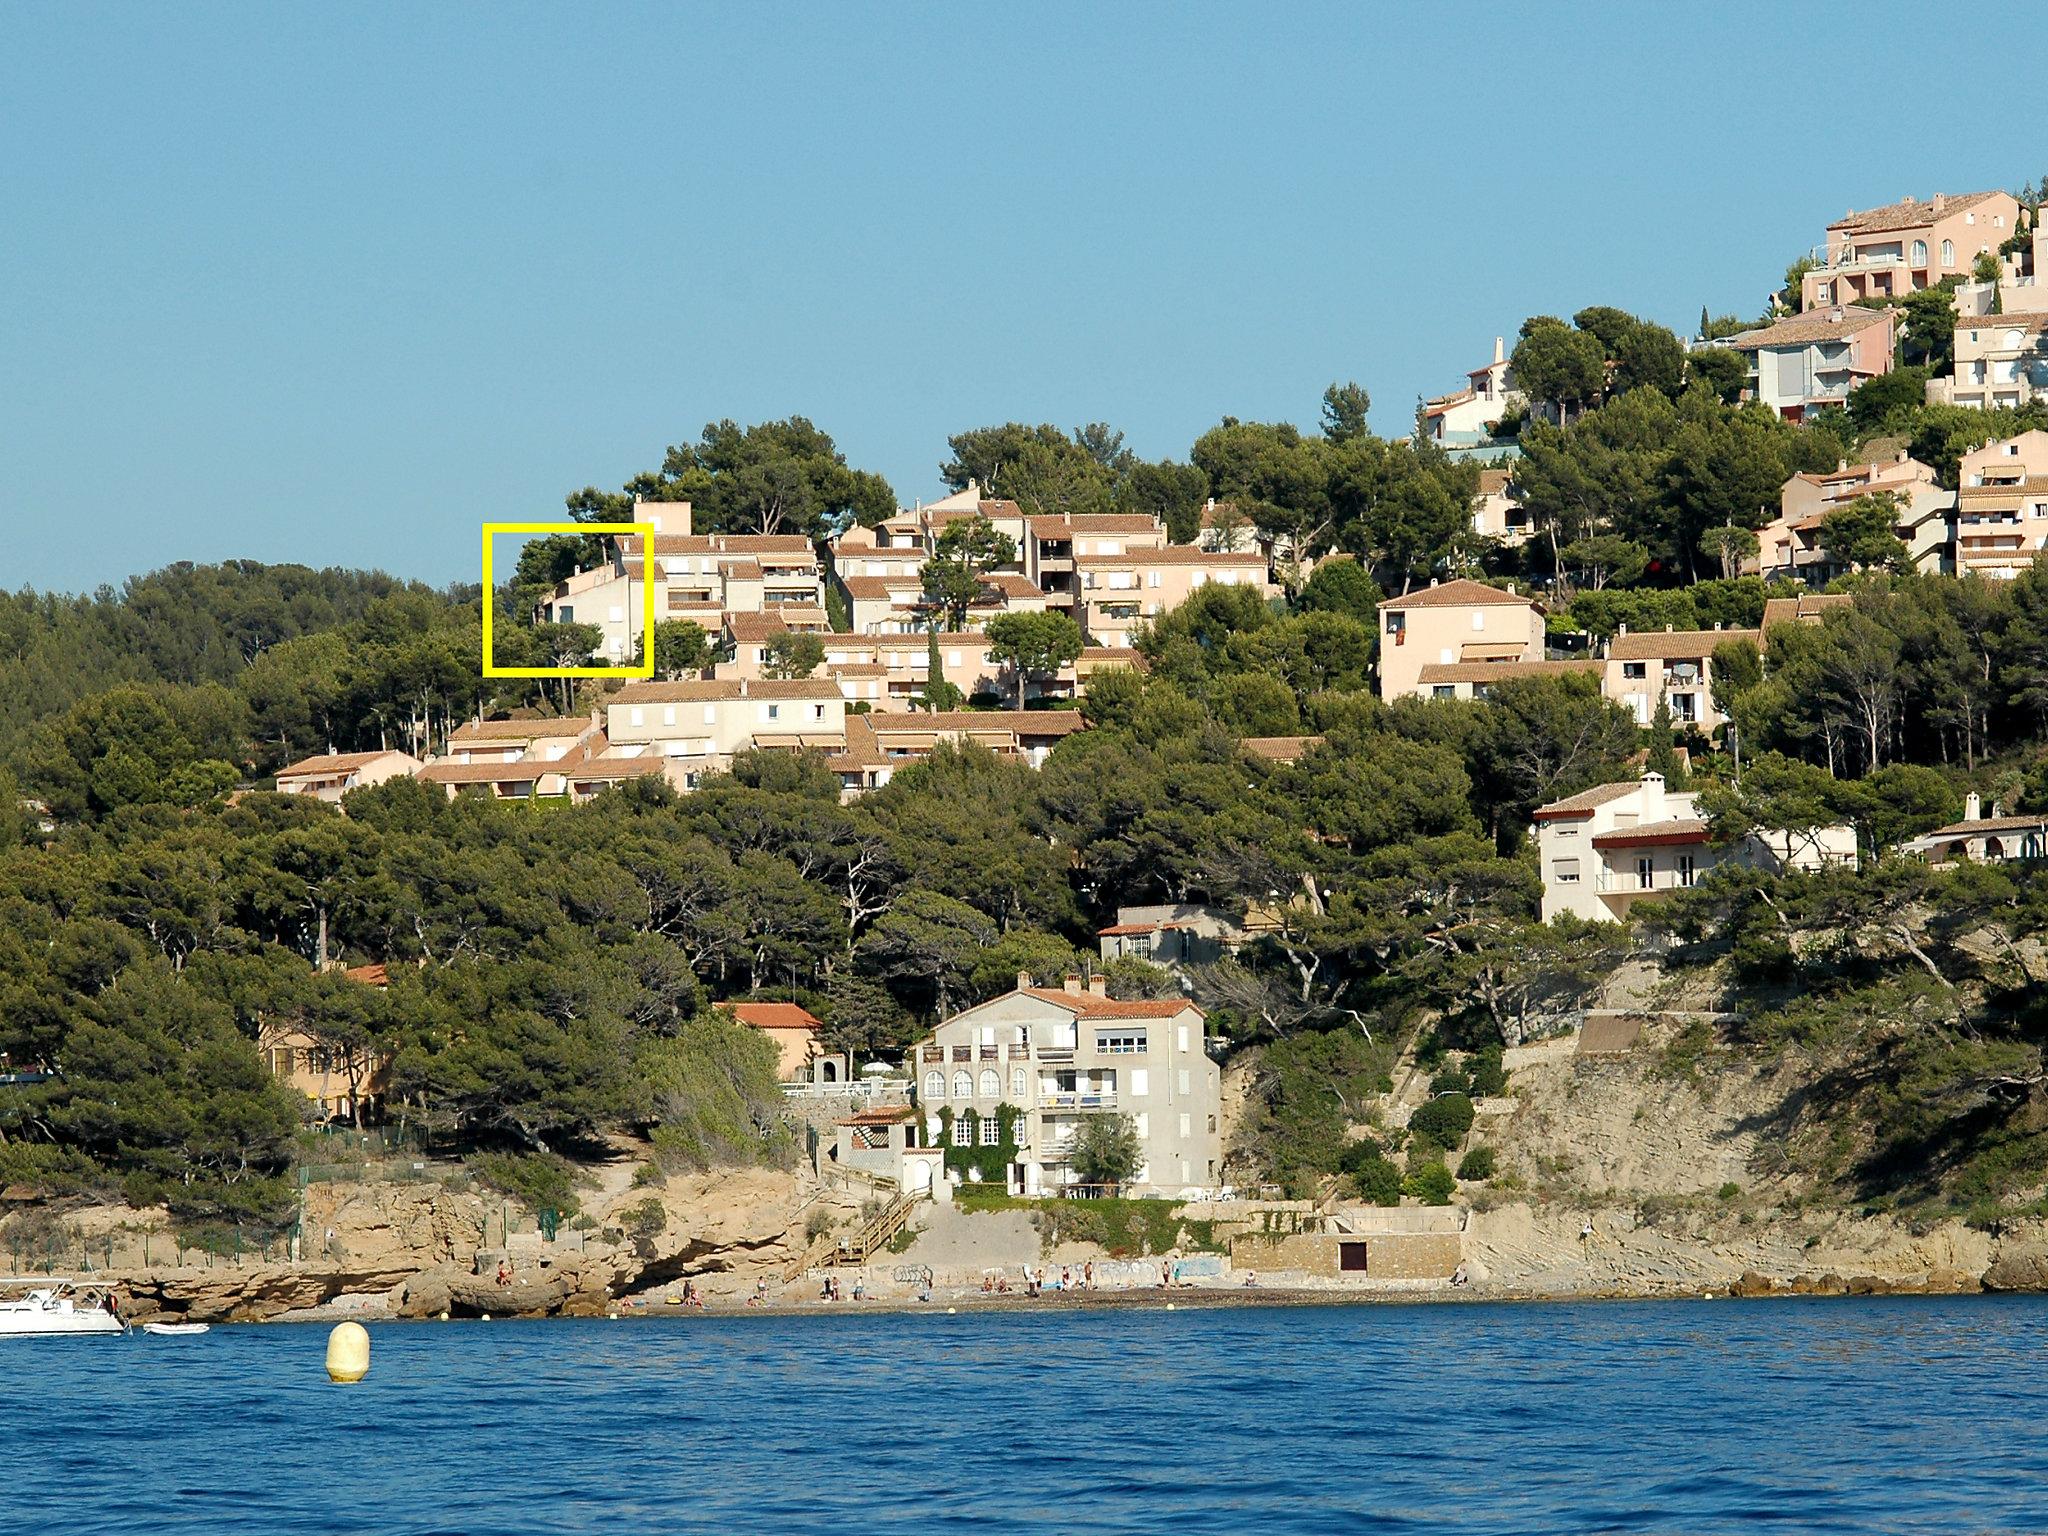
[418, 1249]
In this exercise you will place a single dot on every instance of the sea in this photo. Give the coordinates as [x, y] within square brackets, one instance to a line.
[1854, 1415]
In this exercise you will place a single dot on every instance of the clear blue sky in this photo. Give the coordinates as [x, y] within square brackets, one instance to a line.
[337, 284]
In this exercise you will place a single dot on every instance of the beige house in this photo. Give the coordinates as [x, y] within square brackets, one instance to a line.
[876, 745]
[1117, 593]
[1497, 512]
[1170, 933]
[794, 1032]
[693, 728]
[2002, 506]
[1647, 665]
[1603, 851]
[1790, 545]
[1806, 608]
[511, 741]
[1888, 252]
[339, 1082]
[2001, 362]
[333, 774]
[1994, 839]
[1454, 621]
[1815, 359]
[902, 666]
[1051, 545]
[1055, 1056]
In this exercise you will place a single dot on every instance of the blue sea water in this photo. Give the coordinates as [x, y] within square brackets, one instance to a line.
[1840, 1415]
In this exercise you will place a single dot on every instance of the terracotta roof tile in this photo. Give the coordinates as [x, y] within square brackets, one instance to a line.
[1461, 593]
[1907, 213]
[333, 762]
[1658, 644]
[775, 1015]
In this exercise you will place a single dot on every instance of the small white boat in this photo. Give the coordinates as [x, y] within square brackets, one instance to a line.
[50, 1304]
[174, 1330]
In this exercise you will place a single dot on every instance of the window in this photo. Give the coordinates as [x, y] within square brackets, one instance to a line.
[1479, 618]
[1182, 1037]
[1187, 1126]
[711, 714]
[1948, 253]
[1018, 1086]
[1685, 869]
[817, 711]
[1120, 1042]
[1565, 871]
[935, 1085]
[1141, 1082]
[565, 614]
[963, 1130]
[1442, 691]
[1184, 1080]
[636, 715]
[1397, 626]
[1151, 578]
[1643, 874]
[1144, 1126]
[1567, 831]
[1633, 669]
[991, 1131]
[963, 1085]
[774, 711]
[1822, 293]
[668, 715]
[1919, 253]
[617, 614]
[991, 1083]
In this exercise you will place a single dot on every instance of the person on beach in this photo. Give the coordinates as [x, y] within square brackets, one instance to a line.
[1165, 1274]
[1088, 1275]
[1066, 1277]
[1459, 1277]
[1251, 1279]
[504, 1271]
[860, 1290]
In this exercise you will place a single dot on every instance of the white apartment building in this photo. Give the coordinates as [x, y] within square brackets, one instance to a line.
[1610, 847]
[2002, 506]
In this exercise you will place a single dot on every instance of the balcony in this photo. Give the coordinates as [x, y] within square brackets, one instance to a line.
[1077, 1100]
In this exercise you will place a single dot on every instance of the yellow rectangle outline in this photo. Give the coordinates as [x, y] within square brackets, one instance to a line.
[646, 532]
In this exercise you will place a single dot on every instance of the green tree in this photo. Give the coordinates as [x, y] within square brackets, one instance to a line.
[1345, 408]
[1861, 533]
[1171, 492]
[963, 555]
[1929, 339]
[1106, 1150]
[1554, 363]
[1033, 645]
[681, 649]
[1722, 371]
[794, 654]
[1730, 546]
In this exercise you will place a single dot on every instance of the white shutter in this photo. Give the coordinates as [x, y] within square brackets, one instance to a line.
[1141, 1083]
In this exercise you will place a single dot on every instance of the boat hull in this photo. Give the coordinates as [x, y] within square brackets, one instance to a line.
[41, 1322]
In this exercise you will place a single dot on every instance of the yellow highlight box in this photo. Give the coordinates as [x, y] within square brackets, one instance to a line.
[645, 531]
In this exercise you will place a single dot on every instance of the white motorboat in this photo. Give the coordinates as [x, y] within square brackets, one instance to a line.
[174, 1330]
[51, 1304]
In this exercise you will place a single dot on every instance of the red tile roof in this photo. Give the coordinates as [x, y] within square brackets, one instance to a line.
[1088, 1006]
[775, 1015]
[1461, 593]
[332, 762]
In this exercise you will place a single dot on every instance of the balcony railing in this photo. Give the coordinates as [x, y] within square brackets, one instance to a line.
[1077, 1100]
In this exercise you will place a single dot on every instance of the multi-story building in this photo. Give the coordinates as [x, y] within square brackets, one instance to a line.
[2001, 362]
[1610, 847]
[333, 774]
[1053, 544]
[692, 728]
[699, 577]
[1814, 359]
[1119, 591]
[902, 666]
[1046, 1059]
[1466, 418]
[1888, 252]
[1790, 546]
[1454, 621]
[2001, 518]
[1644, 666]
[877, 744]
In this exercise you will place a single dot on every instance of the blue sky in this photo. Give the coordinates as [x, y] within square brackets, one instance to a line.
[338, 284]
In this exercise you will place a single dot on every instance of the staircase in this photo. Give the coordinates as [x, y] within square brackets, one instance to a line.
[874, 1233]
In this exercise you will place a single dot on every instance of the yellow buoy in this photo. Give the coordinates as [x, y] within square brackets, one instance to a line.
[348, 1352]
[1169, 1306]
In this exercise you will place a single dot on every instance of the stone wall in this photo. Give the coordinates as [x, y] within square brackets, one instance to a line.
[1394, 1256]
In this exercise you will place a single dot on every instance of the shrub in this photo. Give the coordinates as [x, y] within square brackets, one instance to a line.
[1729, 1190]
[716, 1098]
[539, 1181]
[1443, 1120]
[1431, 1183]
[647, 1219]
[1377, 1179]
[1450, 1080]
[1477, 1164]
[1489, 1075]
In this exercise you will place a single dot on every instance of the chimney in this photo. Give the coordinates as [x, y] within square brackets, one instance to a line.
[1940, 201]
[1841, 465]
[1973, 807]
[1098, 984]
[1653, 797]
[1023, 981]
[1903, 456]
[1071, 983]
[974, 487]
[1835, 315]
[1500, 353]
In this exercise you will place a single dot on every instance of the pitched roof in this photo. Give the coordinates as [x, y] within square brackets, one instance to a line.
[519, 730]
[1984, 824]
[372, 975]
[334, 762]
[1009, 584]
[1586, 801]
[1907, 213]
[1176, 554]
[756, 626]
[1088, 1006]
[1656, 644]
[883, 589]
[712, 689]
[1814, 325]
[1808, 605]
[2026, 320]
[775, 1015]
[1022, 722]
[1494, 482]
[1280, 749]
[733, 544]
[1499, 671]
[1651, 834]
[1460, 593]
